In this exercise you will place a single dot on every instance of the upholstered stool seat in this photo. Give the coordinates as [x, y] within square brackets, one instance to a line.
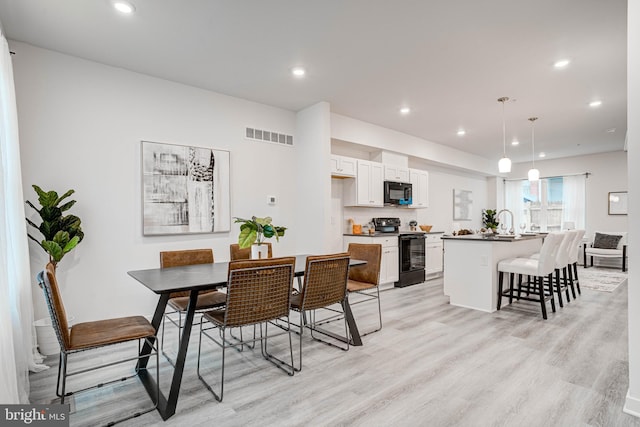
[540, 269]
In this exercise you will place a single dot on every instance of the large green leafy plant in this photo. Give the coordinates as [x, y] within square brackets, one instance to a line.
[61, 232]
[255, 230]
[489, 219]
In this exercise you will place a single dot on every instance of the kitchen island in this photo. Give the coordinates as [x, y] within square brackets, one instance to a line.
[471, 266]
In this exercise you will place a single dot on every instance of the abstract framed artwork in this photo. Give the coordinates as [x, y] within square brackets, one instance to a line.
[184, 189]
[462, 203]
[617, 203]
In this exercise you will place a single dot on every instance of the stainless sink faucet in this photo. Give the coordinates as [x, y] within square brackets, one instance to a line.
[511, 230]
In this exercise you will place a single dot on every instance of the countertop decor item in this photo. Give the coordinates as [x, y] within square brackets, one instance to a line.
[61, 233]
[489, 219]
[255, 230]
[426, 228]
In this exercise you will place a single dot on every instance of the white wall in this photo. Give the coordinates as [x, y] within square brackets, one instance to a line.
[608, 172]
[80, 127]
[632, 404]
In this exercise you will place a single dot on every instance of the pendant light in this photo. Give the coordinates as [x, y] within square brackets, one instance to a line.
[504, 165]
[534, 174]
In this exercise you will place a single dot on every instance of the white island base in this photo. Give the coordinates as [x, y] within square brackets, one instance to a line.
[471, 267]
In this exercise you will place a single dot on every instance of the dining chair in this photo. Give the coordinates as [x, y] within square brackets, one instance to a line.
[237, 253]
[258, 291]
[325, 284]
[540, 268]
[87, 336]
[178, 301]
[364, 279]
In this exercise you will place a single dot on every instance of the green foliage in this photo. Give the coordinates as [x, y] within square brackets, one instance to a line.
[256, 230]
[61, 232]
[489, 219]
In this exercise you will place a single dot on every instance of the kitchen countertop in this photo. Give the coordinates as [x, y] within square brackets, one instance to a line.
[481, 238]
[377, 234]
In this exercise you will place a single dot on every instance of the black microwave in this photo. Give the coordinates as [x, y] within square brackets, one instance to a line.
[397, 193]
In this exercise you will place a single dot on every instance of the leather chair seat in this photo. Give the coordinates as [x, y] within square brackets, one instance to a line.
[205, 301]
[526, 266]
[355, 286]
[215, 316]
[109, 331]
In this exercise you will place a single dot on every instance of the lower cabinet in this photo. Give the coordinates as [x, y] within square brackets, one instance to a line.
[390, 263]
[435, 255]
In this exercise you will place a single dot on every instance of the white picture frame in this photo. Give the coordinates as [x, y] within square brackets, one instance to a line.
[462, 205]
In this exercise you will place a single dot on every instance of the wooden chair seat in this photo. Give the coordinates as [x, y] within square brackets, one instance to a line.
[205, 301]
[109, 331]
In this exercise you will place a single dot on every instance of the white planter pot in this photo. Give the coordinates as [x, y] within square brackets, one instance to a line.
[259, 251]
[46, 336]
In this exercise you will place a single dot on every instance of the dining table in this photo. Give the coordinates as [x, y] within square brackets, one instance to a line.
[196, 278]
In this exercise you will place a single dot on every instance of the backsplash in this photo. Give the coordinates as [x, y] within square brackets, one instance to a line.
[363, 215]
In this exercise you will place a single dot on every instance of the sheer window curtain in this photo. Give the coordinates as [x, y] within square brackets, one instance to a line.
[573, 195]
[514, 201]
[18, 352]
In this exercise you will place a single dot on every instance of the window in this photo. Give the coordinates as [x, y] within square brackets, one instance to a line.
[550, 204]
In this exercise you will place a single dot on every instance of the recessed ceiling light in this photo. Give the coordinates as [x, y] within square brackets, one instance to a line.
[124, 6]
[595, 103]
[515, 142]
[462, 132]
[405, 110]
[298, 71]
[542, 154]
[610, 130]
[561, 63]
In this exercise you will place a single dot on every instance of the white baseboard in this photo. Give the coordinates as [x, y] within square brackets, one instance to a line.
[631, 406]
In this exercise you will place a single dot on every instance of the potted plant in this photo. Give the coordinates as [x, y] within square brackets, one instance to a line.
[61, 232]
[253, 232]
[489, 219]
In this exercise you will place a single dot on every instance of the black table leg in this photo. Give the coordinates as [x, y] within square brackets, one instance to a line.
[356, 340]
[167, 407]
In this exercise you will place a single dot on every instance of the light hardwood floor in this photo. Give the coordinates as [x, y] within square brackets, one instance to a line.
[431, 365]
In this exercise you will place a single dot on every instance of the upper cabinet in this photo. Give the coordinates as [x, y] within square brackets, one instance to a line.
[396, 173]
[420, 188]
[367, 188]
[343, 167]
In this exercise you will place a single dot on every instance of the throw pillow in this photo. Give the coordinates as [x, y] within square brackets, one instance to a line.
[606, 241]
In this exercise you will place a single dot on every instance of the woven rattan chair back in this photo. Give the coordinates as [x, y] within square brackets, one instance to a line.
[238, 254]
[258, 290]
[55, 305]
[370, 272]
[325, 280]
[170, 259]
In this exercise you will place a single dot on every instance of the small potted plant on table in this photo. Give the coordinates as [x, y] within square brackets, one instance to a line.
[253, 232]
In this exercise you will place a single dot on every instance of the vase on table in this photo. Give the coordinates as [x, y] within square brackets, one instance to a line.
[259, 251]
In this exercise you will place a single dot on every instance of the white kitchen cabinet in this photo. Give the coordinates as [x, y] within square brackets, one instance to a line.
[420, 188]
[368, 187]
[390, 262]
[434, 254]
[343, 167]
[396, 173]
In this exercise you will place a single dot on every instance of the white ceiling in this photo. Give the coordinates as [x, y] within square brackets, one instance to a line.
[449, 60]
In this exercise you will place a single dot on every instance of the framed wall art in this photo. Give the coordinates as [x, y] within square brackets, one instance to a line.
[184, 189]
[617, 203]
[462, 204]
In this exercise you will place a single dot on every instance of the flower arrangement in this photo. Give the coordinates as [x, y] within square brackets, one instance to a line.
[255, 230]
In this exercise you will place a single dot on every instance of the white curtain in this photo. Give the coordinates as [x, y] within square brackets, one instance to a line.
[514, 201]
[573, 200]
[18, 352]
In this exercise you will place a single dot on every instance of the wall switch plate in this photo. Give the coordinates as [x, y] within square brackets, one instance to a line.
[271, 200]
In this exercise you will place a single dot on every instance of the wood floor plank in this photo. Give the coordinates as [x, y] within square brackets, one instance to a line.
[432, 364]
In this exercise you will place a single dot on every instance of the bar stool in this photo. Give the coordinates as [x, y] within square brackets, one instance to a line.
[538, 268]
[562, 262]
[573, 262]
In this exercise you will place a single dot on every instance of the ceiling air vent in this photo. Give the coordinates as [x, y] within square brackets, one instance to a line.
[268, 136]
